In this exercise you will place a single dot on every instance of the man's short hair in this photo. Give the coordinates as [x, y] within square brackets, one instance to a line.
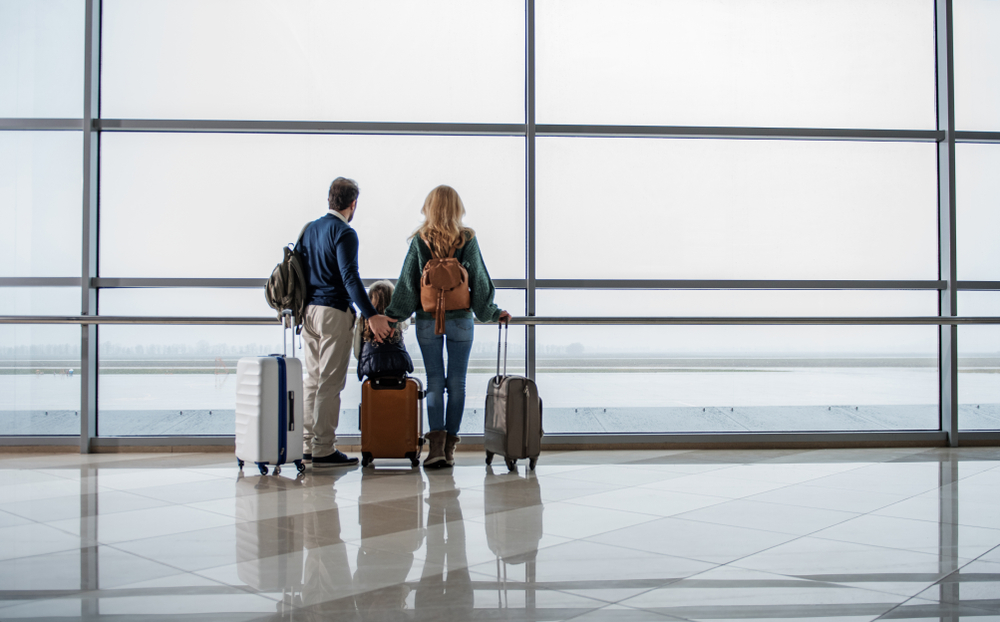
[343, 192]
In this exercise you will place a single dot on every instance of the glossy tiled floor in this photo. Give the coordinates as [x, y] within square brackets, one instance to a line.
[824, 535]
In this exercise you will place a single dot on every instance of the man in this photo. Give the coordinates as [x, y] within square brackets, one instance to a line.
[330, 252]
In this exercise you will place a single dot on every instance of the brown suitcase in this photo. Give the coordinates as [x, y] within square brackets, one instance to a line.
[392, 419]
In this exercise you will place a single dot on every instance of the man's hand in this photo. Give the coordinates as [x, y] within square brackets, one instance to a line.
[380, 326]
[504, 317]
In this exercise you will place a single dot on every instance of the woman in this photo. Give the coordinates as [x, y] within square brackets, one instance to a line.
[442, 231]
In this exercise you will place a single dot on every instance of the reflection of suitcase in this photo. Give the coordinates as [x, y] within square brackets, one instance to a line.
[269, 411]
[513, 426]
[269, 553]
[514, 536]
[391, 419]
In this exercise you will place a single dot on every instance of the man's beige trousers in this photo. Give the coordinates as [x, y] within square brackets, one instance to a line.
[327, 336]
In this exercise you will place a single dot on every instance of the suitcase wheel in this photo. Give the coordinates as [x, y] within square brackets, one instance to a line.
[489, 458]
[532, 462]
[262, 467]
[366, 458]
[240, 463]
[511, 464]
[414, 462]
[300, 466]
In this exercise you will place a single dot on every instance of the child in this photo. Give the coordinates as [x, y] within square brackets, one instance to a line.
[388, 358]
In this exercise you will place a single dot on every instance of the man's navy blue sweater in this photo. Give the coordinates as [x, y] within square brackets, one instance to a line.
[330, 249]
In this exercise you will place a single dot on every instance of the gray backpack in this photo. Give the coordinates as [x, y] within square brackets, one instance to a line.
[286, 289]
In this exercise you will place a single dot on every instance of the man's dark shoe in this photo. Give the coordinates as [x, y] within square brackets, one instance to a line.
[307, 458]
[336, 459]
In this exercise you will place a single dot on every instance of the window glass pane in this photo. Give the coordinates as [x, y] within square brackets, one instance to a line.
[41, 185]
[437, 61]
[39, 364]
[977, 65]
[177, 380]
[773, 63]
[224, 205]
[628, 379]
[733, 209]
[979, 363]
[977, 211]
[41, 58]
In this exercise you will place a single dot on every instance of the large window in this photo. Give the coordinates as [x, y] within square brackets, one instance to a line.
[619, 159]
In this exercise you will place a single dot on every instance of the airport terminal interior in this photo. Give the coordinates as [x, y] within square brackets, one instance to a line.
[749, 247]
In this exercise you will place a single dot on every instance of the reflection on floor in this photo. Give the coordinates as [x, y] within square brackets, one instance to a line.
[851, 534]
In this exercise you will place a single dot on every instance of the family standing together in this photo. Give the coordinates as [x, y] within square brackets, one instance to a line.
[329, 250]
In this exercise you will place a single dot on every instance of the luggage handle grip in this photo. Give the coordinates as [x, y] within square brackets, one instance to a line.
[291, 410]
[501, 332]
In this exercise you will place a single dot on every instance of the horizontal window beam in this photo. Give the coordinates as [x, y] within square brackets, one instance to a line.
[16, 440]
[733, 284]
[40, 281]
[978, 285]
[977, 137]
[820, 284]
[773, 133]
[488, 129]
[310, 127]
[113, 283]
[533, 321]
[590, 441]
[43, 125]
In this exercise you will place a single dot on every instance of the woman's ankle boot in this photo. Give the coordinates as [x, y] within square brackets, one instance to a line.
[435, 454]
[449, 449]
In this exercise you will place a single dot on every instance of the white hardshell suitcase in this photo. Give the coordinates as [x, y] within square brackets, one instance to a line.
[269, 412]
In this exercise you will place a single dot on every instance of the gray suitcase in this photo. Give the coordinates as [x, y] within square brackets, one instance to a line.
[513, 426]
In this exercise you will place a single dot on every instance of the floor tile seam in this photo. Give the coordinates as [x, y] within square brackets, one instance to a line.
[650, 517]
[576, 501]
[964, 560]
[32, 520]
[926, 520]
[987, 561]
[806, 580]
[180, 571]
[779, 486]
[912, 496]
[811, 533]
[599, 600]
[924, 601]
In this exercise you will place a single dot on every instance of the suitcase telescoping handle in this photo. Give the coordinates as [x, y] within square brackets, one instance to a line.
[502, 326]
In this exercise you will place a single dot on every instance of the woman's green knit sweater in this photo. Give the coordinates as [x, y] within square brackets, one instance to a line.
[406, 297]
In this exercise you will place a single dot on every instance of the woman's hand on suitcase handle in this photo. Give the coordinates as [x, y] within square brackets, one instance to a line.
[380, 326]
[504, 317]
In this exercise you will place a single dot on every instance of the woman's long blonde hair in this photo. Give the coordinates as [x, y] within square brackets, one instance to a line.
[443, 229]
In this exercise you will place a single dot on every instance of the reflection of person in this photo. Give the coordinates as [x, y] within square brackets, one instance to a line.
[380, 580]
[445, 587]
[443, 235]
[388, 357]
[330, 260]
[328, 589]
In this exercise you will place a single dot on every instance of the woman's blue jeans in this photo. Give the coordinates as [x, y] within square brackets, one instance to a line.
[457, 338]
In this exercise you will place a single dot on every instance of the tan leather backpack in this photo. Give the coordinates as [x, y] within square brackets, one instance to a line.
[444, 286]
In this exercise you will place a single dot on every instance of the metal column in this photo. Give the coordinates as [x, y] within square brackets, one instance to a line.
[529, 181]
[948, 304]
[91, 155]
